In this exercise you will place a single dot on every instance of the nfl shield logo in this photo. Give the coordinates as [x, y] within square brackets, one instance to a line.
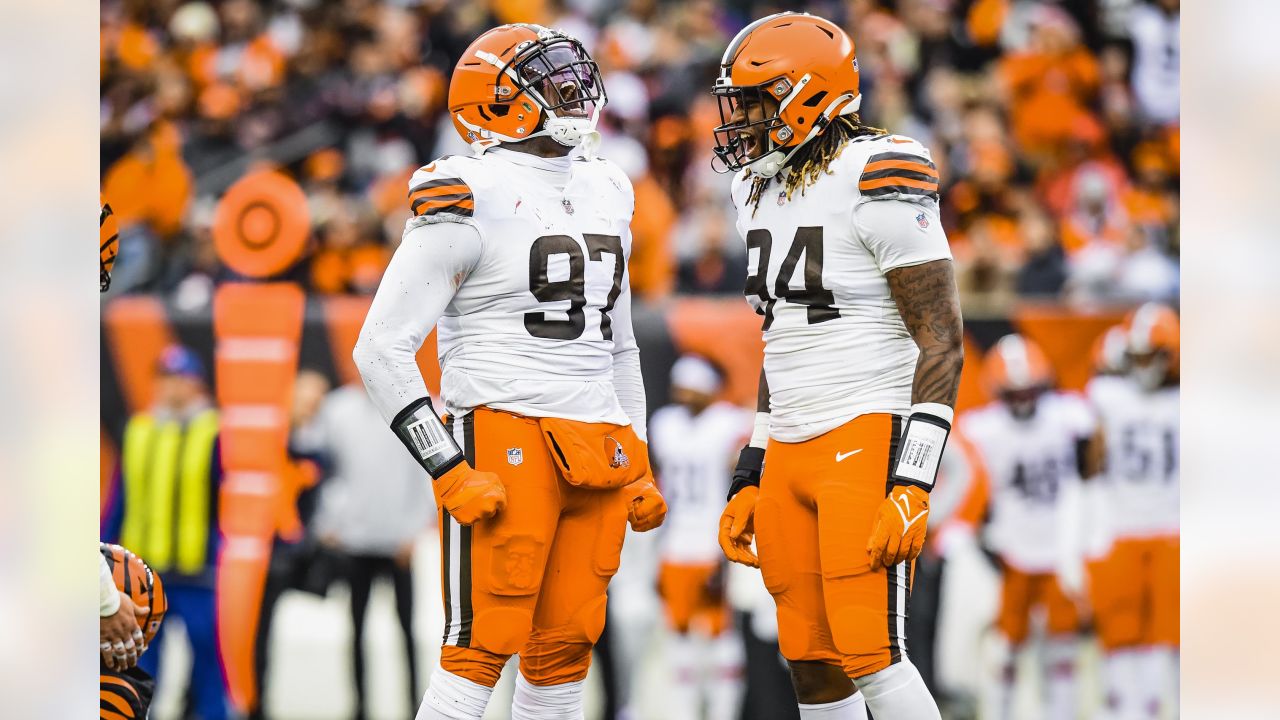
[922, 221]
[515, 456]
[568, 206]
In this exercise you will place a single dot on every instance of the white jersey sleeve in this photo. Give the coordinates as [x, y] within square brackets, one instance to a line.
[108, 595]
[901, 233]
[425, 272]
[627, 381]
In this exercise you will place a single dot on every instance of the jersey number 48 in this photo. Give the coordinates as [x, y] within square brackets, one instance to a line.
[818, 300]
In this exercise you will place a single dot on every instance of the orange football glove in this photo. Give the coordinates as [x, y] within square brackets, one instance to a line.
[470, 495]
[898, 533]
[738, 527]
[646, 509]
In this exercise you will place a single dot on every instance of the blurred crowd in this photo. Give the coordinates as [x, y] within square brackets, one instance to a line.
[1054, 124]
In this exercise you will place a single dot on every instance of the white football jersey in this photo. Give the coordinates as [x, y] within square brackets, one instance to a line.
[1028, 463]
[535, 321]
[694, 457]
[1140, 481]
[835, 345]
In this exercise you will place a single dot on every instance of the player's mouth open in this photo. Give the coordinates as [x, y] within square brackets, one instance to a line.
[748, 141]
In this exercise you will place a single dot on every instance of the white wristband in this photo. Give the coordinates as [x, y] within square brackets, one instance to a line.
[937, 410]
[760, 433]
[920, 449]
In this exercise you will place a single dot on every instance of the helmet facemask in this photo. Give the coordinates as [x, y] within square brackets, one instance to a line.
[559, 75]
[760, 123]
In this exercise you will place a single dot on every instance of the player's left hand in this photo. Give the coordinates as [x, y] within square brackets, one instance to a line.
[120, 636]
[645, 507]
[898, 533]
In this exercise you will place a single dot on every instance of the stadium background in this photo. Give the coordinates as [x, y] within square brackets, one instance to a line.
[1054, 125]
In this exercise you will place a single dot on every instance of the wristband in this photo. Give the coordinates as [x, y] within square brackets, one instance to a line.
[760, 431]
[749, 469]
[920, 450]
[420, 429]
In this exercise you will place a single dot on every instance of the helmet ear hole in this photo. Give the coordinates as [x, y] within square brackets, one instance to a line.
[499, 110]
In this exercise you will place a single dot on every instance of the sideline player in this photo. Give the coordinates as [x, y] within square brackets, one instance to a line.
[852, 272]
[694, 442]
[517, 256]
[132, 603]
[1133, 587]
[1034, 444]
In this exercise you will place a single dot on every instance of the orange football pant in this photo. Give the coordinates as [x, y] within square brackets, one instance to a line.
[817, 502]
[1134, 592]
[690, 598]
[532, 579]
[1021, 593]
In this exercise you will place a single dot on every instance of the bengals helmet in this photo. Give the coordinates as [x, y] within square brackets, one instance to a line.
[134, 578]
[1017, 371]
[108, 242]
[805, 66]
[523, 81]
[1153, 344]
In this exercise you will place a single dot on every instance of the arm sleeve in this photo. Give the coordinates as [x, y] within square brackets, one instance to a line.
[627, 381]
[900, 233]
[425, 272]
[108, 596]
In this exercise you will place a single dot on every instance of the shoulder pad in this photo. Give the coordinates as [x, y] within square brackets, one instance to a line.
[898, 166]
[440, 189]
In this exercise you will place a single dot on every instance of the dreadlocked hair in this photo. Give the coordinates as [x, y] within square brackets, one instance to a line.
[814, 159]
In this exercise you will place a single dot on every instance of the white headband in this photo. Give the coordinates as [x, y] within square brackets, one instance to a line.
[694, 373]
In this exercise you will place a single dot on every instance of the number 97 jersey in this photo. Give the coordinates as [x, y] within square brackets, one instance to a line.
[835, 345]
[539, 312]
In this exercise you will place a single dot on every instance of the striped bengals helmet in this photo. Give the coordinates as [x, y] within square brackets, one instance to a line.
[807, 68]
[1015, 365]
[108, 242]
[134, 578]
[522, 81]
[1153, 332]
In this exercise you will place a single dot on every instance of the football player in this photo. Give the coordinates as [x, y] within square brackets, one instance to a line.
[132, 604]
[1034, 444]
[1133, 586]
[850, 267]
[517, 256]
[695, 441]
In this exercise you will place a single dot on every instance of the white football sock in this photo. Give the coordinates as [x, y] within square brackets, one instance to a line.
[997, 699]
[898, 693]
[1060, 677]
[853, 707]
[1153, 679]
[684, 695]
[547, 702]
[450, 697]
[724, 688]
[1122, 700]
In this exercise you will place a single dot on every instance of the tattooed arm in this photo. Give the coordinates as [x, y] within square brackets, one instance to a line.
[929, 304]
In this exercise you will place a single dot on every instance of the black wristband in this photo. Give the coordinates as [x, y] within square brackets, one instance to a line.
[426, 438]
[748, 471]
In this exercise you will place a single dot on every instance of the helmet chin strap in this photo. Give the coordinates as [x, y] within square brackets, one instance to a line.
[771, 164]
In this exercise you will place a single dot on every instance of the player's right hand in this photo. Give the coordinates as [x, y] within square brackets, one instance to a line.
[738, 527]
[470, 495]
[120, 635]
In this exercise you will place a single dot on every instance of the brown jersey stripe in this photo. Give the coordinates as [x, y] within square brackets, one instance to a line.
[441, 191]
[899, 172]
[442, 199]
[898, 180]
[457, 207]
[873, 168]
[440, 183]
[904, 157]
[900, 190]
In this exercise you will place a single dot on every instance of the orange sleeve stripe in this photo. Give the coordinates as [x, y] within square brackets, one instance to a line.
[897, 181]
[900, 165]
[441, 190]
[111, 698]
[467, 205]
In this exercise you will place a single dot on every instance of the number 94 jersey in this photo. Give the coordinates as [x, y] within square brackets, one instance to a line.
[533, 326]
[835, 345]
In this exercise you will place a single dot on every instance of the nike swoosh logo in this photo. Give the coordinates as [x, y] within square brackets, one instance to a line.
[841, 456]
[903, 505]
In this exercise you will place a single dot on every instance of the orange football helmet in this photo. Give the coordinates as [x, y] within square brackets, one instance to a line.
[1153, 344]
[522, 81]
[134, 578]
[807, 68]
[108, 243]
[1016, 370]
